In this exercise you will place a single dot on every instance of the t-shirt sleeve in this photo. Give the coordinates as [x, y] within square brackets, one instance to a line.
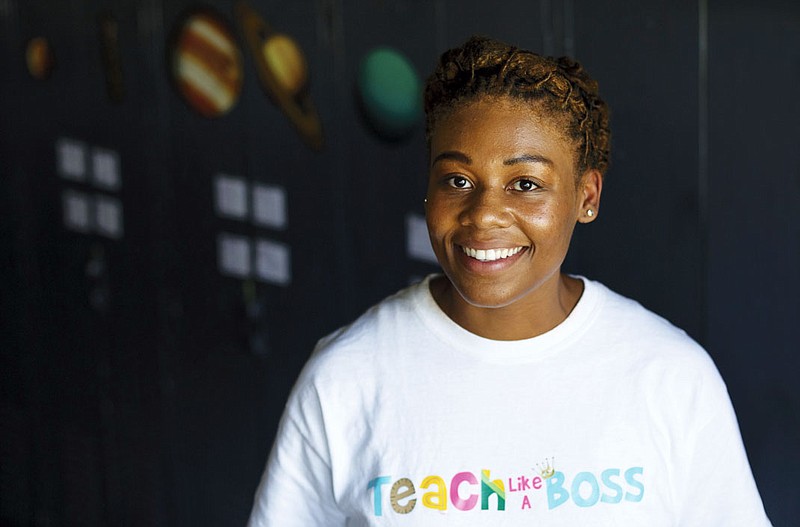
[717, 487]
[296, 488]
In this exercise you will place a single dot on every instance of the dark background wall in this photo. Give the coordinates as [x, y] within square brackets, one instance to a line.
[142, 386]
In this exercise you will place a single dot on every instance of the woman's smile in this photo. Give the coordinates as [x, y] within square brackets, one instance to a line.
[491, 255]
[486, 261]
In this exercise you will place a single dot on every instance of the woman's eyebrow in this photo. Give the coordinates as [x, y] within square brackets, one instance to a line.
[453, 155]
[527, 158]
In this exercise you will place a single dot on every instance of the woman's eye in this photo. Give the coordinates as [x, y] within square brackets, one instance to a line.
[524, 185]
[459, 182]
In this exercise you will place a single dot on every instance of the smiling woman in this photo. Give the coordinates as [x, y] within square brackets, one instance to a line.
[503, 177]
[504, 363]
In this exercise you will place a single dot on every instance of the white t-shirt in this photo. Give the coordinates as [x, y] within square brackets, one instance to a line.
[614, 417]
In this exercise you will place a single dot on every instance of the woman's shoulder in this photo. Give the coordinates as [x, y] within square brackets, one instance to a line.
[625, 319]
[363, 339]
[629, 335]
[383, 316]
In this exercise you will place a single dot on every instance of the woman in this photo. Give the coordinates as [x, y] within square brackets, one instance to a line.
[505, 392]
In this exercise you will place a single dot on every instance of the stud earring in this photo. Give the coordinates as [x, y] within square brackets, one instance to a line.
[425, 200]
[590, 213]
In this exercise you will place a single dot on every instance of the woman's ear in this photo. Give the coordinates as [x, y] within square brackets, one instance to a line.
[590, 188]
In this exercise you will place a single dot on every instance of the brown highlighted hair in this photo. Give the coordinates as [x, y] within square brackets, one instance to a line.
[483, 67]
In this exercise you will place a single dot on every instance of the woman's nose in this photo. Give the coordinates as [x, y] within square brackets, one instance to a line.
[486, 208]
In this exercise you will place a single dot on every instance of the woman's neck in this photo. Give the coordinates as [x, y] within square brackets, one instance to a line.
[538, 312]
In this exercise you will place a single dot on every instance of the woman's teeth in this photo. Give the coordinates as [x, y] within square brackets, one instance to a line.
[489, 255]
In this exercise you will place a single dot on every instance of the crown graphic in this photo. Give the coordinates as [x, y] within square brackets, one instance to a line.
[547, 468]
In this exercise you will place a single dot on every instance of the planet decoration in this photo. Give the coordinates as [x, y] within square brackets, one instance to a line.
[282, 72]
[286, 62]
[207, 63]
[390, 93]
[39, 58]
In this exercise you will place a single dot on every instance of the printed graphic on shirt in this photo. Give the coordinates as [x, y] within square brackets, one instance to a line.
[541, 488]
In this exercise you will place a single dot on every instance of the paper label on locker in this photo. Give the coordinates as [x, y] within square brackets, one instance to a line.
[418, 244]
[77, 211]
[269, 206]
[105, 169]
[230, 196]
[234, 255]
[71, 159]
[273, 262]
[108, 216]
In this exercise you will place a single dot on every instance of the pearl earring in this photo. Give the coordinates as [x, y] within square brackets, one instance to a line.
[590, 213]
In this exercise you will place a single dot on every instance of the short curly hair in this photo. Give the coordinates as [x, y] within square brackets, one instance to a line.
[484, 67]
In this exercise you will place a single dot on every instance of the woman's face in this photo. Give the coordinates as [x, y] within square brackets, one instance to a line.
[503, 200]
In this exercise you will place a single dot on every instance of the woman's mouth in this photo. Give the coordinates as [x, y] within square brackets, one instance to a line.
[490, 255]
